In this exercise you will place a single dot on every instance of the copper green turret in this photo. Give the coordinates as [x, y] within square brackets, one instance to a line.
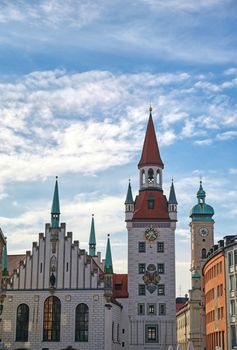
[201, 211]
[92, 240]
[55, 211]
[4, 261]
[108, 259]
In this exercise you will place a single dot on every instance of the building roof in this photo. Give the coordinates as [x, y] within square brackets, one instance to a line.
[172, 196]
[92, 232]
[55, 205]
[120, 286]
[160, 210]
[201, 211]
[13, 262]
[129, 198]
[108, 258]
[150, 152]
[181, 302]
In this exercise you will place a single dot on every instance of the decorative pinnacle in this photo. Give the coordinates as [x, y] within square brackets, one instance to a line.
[150, 108]
[56, 177]
[108, 235]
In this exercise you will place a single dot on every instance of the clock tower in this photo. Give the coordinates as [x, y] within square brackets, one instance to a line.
[202, 238]
[151, 223]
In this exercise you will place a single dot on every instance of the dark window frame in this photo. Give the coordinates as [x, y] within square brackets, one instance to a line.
[141, 289]
[161, 268]
[52, 319]
[161, 289]
[141, 268]
[142, 247]
[82, 323]
[160, 247]
[151, 333]
[22, 322]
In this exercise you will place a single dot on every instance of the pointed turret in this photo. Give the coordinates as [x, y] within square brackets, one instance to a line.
[4, 261]
[129, 204]
[92, 240]
[150, 152]
[108, 259]
[55, 211]
[150, 164]
[172, 196]
[172, 203]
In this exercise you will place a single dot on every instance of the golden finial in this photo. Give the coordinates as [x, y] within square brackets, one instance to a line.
[150, 109]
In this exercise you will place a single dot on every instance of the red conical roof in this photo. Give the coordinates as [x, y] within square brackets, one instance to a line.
[150, 151]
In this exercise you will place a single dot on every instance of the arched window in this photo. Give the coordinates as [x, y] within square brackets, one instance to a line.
[143, 177]
[52, 316]
[150, 175]
[22, 322]
[82, 323]
[204, 253]
[158, 177]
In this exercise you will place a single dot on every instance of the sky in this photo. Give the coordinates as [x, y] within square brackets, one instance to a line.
[76, 82]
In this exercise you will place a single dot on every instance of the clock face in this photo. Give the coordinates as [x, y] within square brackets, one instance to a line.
[151, 234]
[203, 231]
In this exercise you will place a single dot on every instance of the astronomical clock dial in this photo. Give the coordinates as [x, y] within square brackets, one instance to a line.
[203, 231]
[151, 234]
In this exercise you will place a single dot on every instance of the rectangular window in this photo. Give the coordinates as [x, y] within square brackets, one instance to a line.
[161, 289]
[162, 309]
[233, 336]
[142, 247]
[161, 268]
[141, 268]
[141, 309]
[160, 247]
[151, 309]
[230, 259]
[232, 308]
[232, 282]
[151, 332]
[235, 256]
[141, 289]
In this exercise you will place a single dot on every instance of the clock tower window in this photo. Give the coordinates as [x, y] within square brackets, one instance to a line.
[204, 253]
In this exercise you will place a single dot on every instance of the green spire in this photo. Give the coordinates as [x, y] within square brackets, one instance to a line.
[4, 261]
[92, 241]
[129, 198]
[201, 194]
[172, 196]
[55, 211]
[108, 259]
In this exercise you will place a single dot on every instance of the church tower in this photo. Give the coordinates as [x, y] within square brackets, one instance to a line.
[151, 223]
[202, 240]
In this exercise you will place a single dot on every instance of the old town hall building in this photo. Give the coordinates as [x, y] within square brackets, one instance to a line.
[60, 296]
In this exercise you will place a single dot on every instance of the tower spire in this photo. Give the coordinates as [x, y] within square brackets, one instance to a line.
[150, 152]
[172, 196]
[129, 197]
[108, 258]
[55, 211]
[92, 240]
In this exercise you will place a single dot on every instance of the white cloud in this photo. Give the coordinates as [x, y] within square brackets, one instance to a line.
[182, 5]
[227, 135]
[204, 142]
[233, 171]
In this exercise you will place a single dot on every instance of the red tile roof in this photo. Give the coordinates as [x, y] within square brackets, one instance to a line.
[120, 285]
[150, 151]
[160, 210]
[13, 262]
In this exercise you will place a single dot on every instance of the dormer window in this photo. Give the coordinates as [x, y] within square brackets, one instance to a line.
[151, 202]
[150, 175]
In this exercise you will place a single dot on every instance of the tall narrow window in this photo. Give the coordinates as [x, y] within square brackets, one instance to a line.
[204, 253]
[22, 322]
[52, 316]
[82, 323]
[150, 175]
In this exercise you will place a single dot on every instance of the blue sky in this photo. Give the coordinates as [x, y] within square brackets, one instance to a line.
[77, 78]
